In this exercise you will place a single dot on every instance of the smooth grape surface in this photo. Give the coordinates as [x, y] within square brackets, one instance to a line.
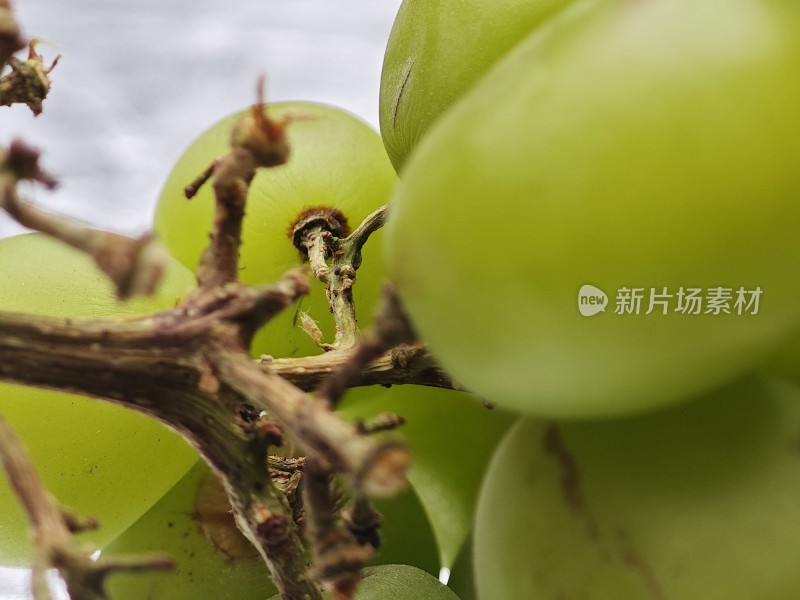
[229, 569]
[437, 51]
[647, 147]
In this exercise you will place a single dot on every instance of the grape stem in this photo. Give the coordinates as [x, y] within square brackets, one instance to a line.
[338, 556]
[190, 368]
[391, 328]
[402, 364]
[321, 243]
[180, 366]
[257, 141]
[28, 82]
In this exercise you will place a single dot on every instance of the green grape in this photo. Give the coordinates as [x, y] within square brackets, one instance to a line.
[96, 458]
[193, 524]
[697, 501]
[437, 51]
[451, 437]
[786, 361]
[336, 161]
[650, 146]
[213, 560]
[399, 582]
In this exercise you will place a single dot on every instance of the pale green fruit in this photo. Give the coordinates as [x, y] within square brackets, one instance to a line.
[96, 458]
[695, 502]
[626, 145]
[786, 361]
[399, 582]
[336, 161]
[437, 50]
[213, 560]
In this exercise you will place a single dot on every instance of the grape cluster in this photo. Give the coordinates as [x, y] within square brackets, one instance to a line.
[541, 160]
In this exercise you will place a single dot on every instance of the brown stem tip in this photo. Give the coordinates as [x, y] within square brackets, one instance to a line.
[264, 137]
[326, 218]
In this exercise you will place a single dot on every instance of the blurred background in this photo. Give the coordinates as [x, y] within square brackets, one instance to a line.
[140, 79]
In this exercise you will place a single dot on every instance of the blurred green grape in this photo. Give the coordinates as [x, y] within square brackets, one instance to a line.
[701, 500]
[336, 161]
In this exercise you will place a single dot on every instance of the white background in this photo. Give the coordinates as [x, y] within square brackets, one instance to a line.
[140, 79]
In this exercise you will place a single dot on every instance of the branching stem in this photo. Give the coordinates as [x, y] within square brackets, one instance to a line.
[317, 234]
[190, 368]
